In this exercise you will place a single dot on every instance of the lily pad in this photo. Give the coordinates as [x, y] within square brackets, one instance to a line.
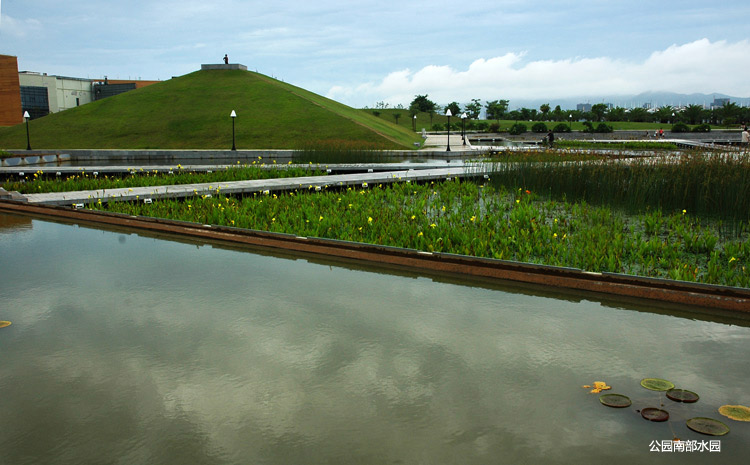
[615, 400]
[655, 414]
[656, 384]
[735, 412]
[3, 324]
[682, 395]
[707, 426]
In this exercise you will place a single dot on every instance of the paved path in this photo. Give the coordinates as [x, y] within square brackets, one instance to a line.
[265, 186]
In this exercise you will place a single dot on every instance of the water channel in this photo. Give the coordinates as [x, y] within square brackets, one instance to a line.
[127, 348]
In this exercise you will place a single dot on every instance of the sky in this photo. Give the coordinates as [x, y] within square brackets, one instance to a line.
[362, 52]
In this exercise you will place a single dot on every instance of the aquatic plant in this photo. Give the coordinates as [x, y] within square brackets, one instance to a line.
[477, 219]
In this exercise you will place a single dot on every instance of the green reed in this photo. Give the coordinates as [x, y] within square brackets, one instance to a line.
[482, 220]
[714, 186]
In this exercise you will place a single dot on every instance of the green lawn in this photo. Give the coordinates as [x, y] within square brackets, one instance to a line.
[192, 112]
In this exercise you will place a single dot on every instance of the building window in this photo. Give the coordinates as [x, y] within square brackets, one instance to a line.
[35, 100]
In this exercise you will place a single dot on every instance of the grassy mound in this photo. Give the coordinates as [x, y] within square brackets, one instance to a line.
[192, 112]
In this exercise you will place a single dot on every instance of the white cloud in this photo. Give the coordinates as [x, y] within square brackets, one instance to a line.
[699, 66]
[18, 29]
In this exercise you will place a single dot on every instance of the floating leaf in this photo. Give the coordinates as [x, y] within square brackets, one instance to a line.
[3, 324]
[615, 400]
[655, 414]
[656, 384]
[735, 412]
[586, 386]
[707, 426]
[681, 395]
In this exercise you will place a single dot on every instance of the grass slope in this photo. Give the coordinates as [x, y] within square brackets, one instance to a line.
[192, 112]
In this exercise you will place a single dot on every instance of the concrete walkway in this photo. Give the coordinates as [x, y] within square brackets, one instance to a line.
[263, 186]
[440, 141]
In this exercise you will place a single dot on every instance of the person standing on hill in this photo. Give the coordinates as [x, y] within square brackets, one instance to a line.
[226, 59]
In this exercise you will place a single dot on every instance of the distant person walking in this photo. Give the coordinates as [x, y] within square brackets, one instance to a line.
[745, 137]
[550, 138]
[226, 59]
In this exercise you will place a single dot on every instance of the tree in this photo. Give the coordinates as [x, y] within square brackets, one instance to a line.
[639, 115]
[729, 112]
[544, 108]
[598, 110]
[423, 104]
[496, 109]
[396, 116]
[528, 114]
[693, 114]
[453, 107]
[664, 114]
[616, 114]
[473, 109]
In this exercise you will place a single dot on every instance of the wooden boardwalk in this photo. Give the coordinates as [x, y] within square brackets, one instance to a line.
[264, 186]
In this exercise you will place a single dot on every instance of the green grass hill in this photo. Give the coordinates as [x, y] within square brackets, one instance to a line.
[192, 112]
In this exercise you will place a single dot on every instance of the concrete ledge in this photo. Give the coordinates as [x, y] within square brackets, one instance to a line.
[229, 66]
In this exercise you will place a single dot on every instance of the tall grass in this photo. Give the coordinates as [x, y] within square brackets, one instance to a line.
[714, 186]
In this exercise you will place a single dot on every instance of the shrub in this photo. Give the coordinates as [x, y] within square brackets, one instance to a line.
[516, 129]
[438, 127]
[539, 127]
[494, 127]
[702, 128]
[587, 127]
[604, 128]
[561, 127]
[482, 126]
[680, 127]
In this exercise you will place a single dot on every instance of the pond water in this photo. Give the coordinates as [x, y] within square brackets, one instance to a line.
[134, 349]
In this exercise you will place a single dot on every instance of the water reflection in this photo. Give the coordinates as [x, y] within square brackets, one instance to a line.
[133, 349]
[11, 224]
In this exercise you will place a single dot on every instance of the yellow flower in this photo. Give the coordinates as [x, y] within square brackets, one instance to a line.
[684, 211]
[554, 235]
[420, 234]
[413, 216]
[518, 201]
[433, 225]
[473, 218]
[369, 219]
[320, 219]
[730, 260]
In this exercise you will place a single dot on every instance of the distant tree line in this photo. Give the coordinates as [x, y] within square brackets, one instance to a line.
[728, 115]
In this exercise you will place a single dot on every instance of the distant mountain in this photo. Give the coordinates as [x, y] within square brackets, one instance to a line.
[654, 99]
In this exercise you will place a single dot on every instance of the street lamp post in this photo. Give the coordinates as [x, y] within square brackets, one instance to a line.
[414, 123]
[570, 122]
[463, 127]
[233, 115]
[448, 114]
[28, 140]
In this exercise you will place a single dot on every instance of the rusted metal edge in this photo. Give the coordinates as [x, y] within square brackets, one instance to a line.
[697, 294]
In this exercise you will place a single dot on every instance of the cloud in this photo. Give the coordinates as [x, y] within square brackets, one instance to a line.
[699, 66]
[18, 29]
